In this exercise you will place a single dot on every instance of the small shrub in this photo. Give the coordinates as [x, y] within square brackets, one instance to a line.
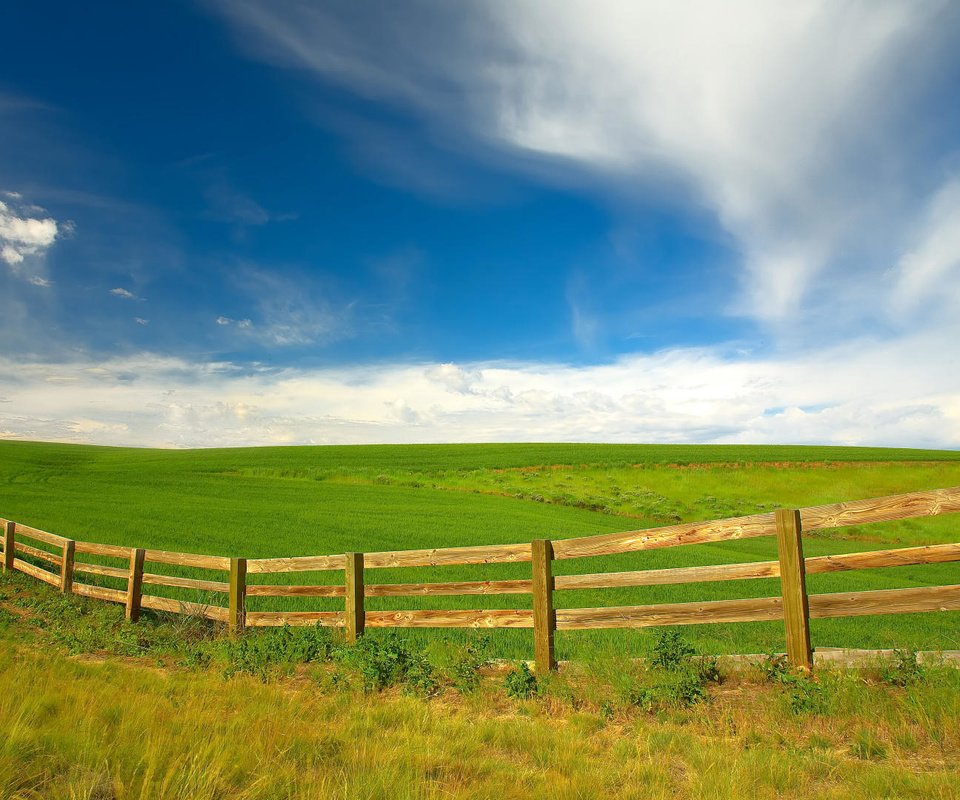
[679, 688]
[282, 649]
[677, 676]
[804, 694]
[904, 670]
[773, 667]
[671, 651]
[520, 682]
[420, 678]
[464, 669]
[381, 662]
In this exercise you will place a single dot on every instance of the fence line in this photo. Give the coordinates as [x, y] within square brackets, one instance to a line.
[795, 606]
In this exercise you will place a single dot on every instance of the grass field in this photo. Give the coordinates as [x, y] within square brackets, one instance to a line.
[314, 500]
[169, 709]
[94, 708]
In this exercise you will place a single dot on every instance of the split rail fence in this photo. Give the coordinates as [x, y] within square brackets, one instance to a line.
[794, 605]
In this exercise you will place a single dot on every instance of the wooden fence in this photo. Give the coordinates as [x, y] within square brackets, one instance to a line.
[794, 605]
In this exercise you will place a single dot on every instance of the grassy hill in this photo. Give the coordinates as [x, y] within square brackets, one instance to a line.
[260, 502]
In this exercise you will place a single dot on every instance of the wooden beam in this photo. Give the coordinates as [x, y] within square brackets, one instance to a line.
[473, 618]
[450, 588]
[66, 567]
[237, 618]
[354, 617]
[793, 587]
[9, 548]
[651, 616]
[544, 617]
[135, 584]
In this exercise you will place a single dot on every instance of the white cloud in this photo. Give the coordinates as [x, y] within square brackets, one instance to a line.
[929, 272]
[36, 280]
[141, 321]
[864, 392]
[126, 294]
[21, 235]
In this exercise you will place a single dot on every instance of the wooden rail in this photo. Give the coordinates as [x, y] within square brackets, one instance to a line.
[794, 606]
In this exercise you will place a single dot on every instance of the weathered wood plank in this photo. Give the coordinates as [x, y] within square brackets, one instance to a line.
[238, 596]
[353, 596]
[185, 583]
[99, 569]
[39, 535]
[523, 586]
[449, 556]
[762, 608]
[544, 618]
[257, 566]
[327, 619]
[276, 590]
[661, 577]
[36, 572]
[111, 550]
[882, 509]
[491, 618]
[188, 560]
[669, 536]
[184, 608]
[100, 593]
[885, 601]
[135, 585]
[66, 567]
[793, 586]
[36, 552]
[898, 557]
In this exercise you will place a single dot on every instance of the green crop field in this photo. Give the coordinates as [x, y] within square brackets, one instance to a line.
[262, 502]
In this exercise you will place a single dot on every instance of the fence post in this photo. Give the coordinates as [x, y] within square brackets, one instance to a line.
[66, 566]
[353, 612]
[135, 584]
[238, 596]
[8, 546]
[544, 617]
[793, 585]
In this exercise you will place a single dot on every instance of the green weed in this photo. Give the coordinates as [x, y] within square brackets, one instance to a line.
[904, 669]
[521, 683]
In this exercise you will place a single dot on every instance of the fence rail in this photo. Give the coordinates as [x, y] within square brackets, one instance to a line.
[794, 605]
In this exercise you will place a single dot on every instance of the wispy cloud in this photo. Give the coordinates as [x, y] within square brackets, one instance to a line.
[771, 116]
[126, 294]
[289, 310]
[864, 392]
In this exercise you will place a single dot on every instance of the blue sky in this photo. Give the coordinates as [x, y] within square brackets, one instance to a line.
[290, 222]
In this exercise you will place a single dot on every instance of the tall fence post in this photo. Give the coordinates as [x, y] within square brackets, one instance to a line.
[544, 616]
[135, 584]
[353, 611]
[66, 566]
[8, 546]
[238, 596]
[793, 585]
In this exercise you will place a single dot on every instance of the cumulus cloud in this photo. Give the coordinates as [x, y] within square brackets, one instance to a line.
[865, 393]
[126, 294]
[24, 233]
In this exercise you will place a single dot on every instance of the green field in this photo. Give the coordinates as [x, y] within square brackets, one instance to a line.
[314, 500]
